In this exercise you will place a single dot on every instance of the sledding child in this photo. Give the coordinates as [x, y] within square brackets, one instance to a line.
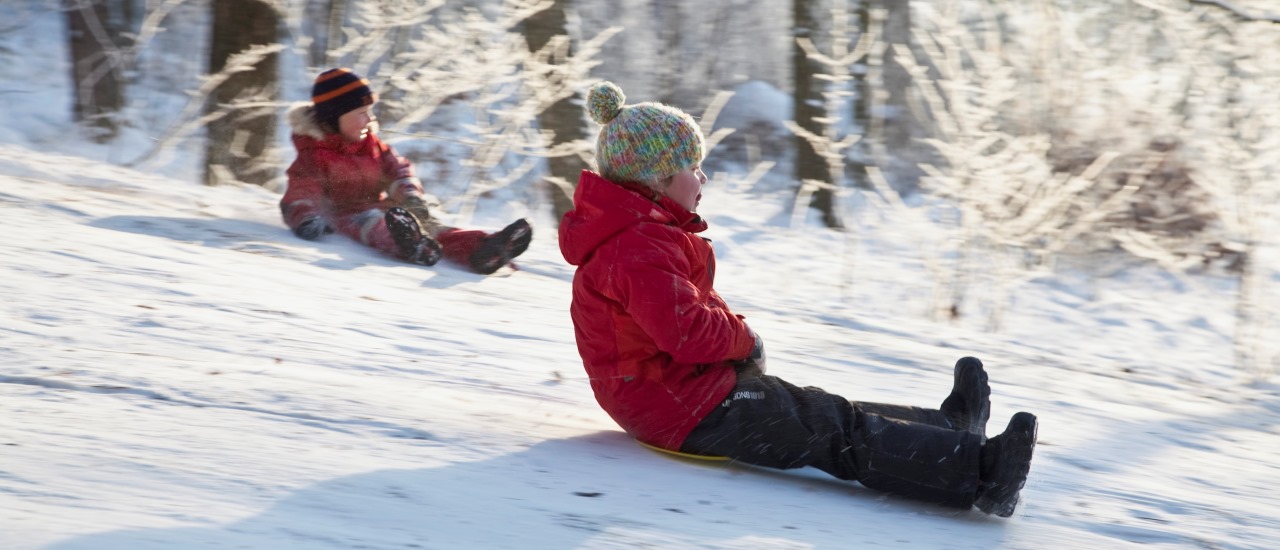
[346, 179]
[676, 369]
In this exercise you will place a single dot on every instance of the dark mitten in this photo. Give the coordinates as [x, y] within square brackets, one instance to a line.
[312, 228]
[418, 207]
[756, 360]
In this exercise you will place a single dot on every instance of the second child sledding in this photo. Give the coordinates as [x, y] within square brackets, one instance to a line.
[346, 179]
[677, 369]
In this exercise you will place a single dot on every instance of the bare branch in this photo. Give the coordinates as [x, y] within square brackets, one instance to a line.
[1239, 11]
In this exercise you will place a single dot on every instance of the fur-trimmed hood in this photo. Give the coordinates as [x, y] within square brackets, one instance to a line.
[302, 120]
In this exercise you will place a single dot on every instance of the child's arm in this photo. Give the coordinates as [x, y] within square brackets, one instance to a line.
[399, 171]
[652, 283]
[302, 203]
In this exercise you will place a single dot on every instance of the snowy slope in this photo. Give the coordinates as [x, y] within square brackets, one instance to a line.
[181, 372]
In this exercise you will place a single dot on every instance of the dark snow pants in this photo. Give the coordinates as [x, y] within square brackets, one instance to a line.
[904, 450]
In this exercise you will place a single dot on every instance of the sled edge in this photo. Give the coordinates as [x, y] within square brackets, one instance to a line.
[690, 456]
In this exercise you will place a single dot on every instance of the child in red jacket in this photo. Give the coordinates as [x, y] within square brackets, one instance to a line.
[347, 179]
[676, 369]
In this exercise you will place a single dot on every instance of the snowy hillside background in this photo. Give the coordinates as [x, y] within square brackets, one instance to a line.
[178, 371]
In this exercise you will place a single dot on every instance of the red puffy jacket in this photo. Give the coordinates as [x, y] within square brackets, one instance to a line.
[655, 338]
[332, 178]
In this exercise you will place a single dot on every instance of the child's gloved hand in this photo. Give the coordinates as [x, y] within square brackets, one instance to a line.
[414, 201]
[312, 228]
[416, 205]
[754, 361]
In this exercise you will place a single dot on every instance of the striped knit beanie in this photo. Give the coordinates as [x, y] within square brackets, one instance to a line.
[338, 92]
[644, 142]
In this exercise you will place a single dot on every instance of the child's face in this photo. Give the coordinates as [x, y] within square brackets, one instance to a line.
[686, 188]
[354, 126]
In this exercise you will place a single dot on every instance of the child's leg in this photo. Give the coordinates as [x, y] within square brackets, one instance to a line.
[367, 227]
[459, 244]
[966, 408]
[484, 252]
[769, 422]
[932, 417]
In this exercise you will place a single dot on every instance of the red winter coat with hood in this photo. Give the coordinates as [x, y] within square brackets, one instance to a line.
[333, 178]
[655, 337]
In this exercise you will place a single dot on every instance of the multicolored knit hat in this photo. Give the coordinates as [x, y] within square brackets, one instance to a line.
[644, 142]
[338, 92]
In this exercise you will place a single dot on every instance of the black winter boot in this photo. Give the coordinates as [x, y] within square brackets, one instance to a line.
[969, 405]
[1005, 463]
[499, 248]
[414, 246]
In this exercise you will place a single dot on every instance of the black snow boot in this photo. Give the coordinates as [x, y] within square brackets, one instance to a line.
[969, 405]
[495, 250]
[1005, 461]
[413, 245]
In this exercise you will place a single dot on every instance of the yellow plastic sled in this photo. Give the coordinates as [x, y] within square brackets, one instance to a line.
[690, 456]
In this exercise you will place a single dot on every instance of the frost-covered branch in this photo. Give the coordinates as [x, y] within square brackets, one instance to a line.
[1234, 131]
[1239, 11]
[190, 120]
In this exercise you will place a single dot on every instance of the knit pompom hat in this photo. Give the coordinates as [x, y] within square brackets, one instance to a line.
[338, 92]
[641, 143]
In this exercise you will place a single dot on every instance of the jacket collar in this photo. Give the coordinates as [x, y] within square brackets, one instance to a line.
[603, 208]
[308, 133]
[679, 215]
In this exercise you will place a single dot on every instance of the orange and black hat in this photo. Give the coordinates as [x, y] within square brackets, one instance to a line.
[338, 92]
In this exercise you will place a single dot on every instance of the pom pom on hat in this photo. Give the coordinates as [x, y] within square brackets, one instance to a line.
[644, 142]
[337, 92]
[604, 102]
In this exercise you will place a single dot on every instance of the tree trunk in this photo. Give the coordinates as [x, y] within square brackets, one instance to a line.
[564, 117]
[236, 143]
[901, 128]
[808, 106]
[671, 63]
[862, 102]
[96, 68]
[333, 37]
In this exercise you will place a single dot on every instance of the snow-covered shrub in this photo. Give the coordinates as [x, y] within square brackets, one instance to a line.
[1146, 126]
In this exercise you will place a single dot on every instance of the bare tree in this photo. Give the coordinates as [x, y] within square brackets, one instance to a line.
[902, 127]
[336, 14]
[836, 84]
[237, 142]
[97, 66]
[547, 35]
[316, 28]
[816, 184]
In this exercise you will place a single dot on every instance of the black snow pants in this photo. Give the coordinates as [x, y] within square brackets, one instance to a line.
[908, 451]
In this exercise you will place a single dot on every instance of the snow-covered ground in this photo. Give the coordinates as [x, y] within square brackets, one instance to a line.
[178, 371]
